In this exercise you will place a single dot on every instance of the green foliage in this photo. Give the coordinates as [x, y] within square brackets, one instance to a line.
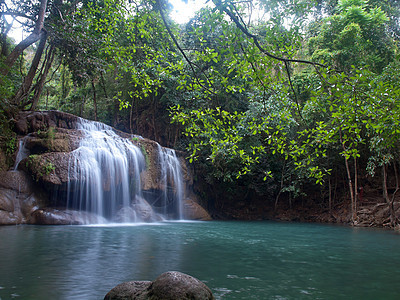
[244, 120]
[146, 155]
[8, 138]
[355, 35]
[44, 168]
[48, 168]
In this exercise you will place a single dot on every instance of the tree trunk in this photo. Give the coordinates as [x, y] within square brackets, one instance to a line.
[131, 116]
[94, 100]
[32, 38]
[82, 108]
[4, 44]
[116, 101]
[281, 187]
[394, 220]
[350, 188]
[25, 88]
[43, 76]
[346, 162]
[330, 196]
[355, 187]
[154, 120]
[390, 202]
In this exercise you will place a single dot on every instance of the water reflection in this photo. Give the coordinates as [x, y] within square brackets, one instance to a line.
[236, 260]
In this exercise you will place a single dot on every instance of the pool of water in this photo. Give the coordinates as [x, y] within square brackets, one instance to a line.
[237, 260]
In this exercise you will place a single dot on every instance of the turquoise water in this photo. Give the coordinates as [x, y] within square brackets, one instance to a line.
[237, 260]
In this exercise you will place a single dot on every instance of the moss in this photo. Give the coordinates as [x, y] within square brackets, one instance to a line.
[8, 142]
[38, 167]
[146, 155]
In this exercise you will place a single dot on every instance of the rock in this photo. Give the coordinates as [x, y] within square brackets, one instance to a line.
[168, 286]
[27, 122]
[28, 206]
[139, 211]
[17, 198]
[128, 290]
[9, 218]
[7, 198]
[17, 181]
[176, 285]
[3, 161]
[10, 211]
[51, 216]
[53, 141]
[50, 140]
[193, 211]
[49, 168]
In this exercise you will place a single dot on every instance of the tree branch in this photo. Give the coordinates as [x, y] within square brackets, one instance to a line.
[32, 38]
[191, 65]
[242, 28]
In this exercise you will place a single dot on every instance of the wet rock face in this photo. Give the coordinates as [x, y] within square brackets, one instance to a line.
[17, 198]
[168, 286]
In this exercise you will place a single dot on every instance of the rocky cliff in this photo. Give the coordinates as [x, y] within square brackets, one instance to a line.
[35, 192]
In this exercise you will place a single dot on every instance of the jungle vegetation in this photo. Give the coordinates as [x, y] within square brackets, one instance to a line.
[275, 99]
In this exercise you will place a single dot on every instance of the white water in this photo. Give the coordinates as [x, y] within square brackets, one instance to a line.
[171, 179]
[104, 178]
[22, 153]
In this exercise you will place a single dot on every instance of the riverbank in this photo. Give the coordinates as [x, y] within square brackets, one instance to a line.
[370, 213]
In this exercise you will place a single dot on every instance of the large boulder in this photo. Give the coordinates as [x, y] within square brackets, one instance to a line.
[193, 211]
[168, 286]
[18, 199]
[129, 290]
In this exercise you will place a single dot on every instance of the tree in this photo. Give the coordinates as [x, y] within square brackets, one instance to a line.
[356, 35]
[37, 34]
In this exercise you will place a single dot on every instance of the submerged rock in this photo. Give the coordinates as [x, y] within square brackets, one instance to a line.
[168, 286]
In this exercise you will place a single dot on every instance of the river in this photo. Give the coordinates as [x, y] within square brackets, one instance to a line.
[237, 260]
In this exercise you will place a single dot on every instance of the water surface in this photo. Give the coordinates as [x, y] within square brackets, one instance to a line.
[237, 260]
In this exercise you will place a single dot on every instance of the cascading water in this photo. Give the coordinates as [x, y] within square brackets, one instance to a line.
[104, 178]
[171, 180]
[104, 174]
[22, 153]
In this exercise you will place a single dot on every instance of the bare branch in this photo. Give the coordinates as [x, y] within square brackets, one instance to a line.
[16, 14]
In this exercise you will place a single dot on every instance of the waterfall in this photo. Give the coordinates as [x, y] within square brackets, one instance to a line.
[104, 178]
[171, 180]
[104, 174]
[22, 153]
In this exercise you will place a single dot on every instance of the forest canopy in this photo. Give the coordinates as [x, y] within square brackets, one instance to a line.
[280, 97]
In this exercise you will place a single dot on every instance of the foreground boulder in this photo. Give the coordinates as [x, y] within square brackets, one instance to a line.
[167, 286]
